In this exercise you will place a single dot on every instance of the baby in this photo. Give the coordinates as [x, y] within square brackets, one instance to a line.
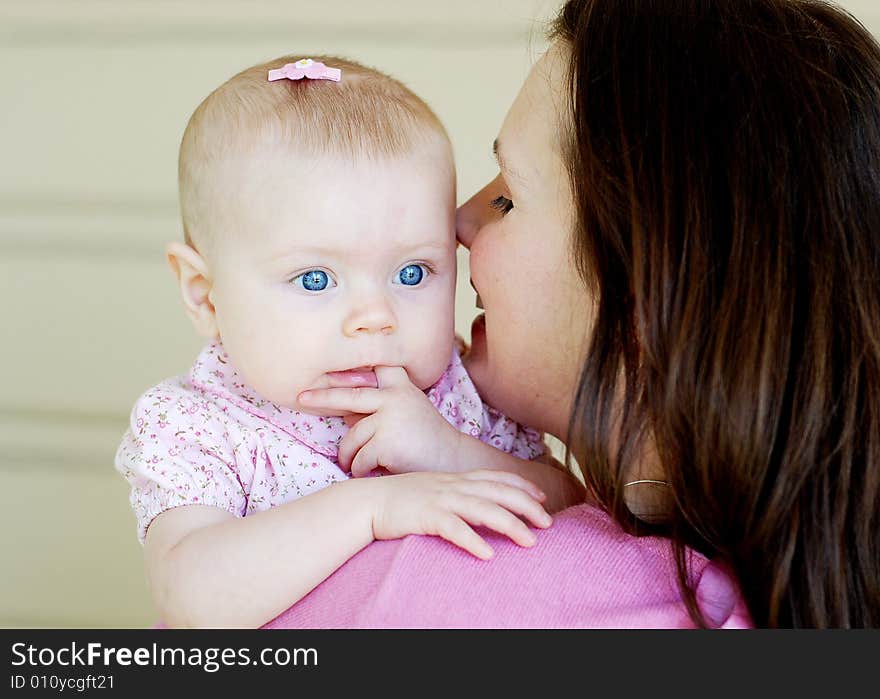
[317, 199]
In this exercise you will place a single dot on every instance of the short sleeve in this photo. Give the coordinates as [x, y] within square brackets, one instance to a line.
[176, 452]
[508, 435]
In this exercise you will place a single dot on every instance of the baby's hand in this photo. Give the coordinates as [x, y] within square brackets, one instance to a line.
[402, 430]
[447, 504]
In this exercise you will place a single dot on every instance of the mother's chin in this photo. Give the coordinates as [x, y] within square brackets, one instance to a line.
[510, 386]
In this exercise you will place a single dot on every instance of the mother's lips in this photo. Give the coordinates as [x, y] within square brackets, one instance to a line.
[479, 300]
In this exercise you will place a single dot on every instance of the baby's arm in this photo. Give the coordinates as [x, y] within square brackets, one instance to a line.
[402, 432]
[561, 487]
[207, 567]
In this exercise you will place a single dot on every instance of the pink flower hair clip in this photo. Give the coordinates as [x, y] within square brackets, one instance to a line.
[306, 68]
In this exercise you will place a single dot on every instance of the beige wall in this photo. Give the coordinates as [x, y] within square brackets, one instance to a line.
[96, 95]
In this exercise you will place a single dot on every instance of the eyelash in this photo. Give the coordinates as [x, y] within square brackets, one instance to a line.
[429, 268]
[501, 204]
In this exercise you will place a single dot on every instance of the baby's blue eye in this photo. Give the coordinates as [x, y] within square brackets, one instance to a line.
[411, 275]
[313, 280]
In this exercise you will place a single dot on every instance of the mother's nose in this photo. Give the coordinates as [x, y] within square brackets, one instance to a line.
[470, 217]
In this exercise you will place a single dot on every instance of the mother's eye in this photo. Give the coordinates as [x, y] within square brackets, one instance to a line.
[313, 280]
[501, 204]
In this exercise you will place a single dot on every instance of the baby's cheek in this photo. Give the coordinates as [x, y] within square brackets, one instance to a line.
[427, 365]
[427, 333]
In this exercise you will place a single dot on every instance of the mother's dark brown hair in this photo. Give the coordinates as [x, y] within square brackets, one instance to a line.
[725, 156]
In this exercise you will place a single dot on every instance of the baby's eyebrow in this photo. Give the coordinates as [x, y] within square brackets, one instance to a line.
[503, 164]
[340, 252]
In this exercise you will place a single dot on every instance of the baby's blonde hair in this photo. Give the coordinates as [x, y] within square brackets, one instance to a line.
[367, 114]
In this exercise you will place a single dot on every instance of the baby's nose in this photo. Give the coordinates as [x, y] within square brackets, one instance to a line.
[371, 316]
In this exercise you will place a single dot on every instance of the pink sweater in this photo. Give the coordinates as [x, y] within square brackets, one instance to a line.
[583, 572]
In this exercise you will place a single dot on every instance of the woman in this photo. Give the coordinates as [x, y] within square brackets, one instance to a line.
[679, 269]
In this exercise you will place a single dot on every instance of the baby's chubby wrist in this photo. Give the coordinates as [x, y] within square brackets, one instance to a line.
[362, 501]
[470, 453]
[437, 446]
[451, 451]
[371, 500]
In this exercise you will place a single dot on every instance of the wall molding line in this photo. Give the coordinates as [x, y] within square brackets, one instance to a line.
[42, 33]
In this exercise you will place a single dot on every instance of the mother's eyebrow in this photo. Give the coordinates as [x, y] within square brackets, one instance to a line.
[503, 164]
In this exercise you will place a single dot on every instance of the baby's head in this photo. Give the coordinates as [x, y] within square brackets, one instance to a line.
[319, 225]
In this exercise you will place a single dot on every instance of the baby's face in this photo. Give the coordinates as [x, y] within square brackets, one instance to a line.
[330, 266]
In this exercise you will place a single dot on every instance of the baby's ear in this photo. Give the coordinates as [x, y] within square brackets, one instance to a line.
[194, 282]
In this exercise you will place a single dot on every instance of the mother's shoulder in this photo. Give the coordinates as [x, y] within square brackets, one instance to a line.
[584, 571]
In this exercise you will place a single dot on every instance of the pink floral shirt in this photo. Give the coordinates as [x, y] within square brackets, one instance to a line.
[209, 439]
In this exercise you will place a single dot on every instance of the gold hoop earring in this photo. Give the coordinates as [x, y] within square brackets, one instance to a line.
[651, 505]
[649, 481]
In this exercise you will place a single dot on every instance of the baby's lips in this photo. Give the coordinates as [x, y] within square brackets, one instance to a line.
[359, 378]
